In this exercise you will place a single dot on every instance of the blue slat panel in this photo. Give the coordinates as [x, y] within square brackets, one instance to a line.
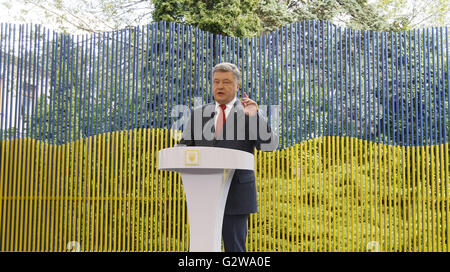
[325, 80]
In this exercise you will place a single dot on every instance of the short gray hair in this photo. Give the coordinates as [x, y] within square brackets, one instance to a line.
[228, 67]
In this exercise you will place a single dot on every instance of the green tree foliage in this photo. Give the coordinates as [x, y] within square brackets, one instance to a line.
[274, 14]
[246, 18]
[225, 17]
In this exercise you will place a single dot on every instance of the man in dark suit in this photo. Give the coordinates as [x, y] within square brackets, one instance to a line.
[237, 124]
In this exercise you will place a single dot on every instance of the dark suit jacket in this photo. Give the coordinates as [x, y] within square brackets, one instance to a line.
[240, 132]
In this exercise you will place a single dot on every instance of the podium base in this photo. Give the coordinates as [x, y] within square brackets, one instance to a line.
[205, 211]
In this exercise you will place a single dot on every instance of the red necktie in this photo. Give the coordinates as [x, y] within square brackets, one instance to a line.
[220, 119]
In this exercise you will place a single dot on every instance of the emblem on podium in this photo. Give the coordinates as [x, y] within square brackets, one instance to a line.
[191, 157]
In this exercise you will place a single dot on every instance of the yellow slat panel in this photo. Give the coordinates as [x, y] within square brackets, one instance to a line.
[101, 211]
[70, 174]
[440, 193]
[31, 237]
[25, 193]
[60, 185]
[351, 195]
[116, 212]
[408, 179]
[446, 225]
[17, 149]
[3, 157]
[4, 192]
[133, 194]
[121, 230]
[108, 184]
[152, 185]
[84, 193]
[325, 194]
[147, 187]
[333, 181]
[414, 179]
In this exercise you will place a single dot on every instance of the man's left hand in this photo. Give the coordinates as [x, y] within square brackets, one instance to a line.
[250, 107]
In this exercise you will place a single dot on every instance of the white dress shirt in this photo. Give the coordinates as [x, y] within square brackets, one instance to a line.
[227, 109]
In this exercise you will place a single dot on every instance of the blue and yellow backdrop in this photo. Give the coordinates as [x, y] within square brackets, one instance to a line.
[363, 119]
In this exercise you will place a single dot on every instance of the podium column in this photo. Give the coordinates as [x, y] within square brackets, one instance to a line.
[206, 196]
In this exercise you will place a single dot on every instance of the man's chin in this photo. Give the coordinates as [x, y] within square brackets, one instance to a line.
[220, 100]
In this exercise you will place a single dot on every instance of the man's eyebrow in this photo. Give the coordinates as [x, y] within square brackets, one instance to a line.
[225, 80]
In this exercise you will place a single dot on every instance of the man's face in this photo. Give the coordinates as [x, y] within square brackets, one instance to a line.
[225, 87]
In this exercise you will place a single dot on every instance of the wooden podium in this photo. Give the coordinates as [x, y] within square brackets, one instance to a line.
[206, 173]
